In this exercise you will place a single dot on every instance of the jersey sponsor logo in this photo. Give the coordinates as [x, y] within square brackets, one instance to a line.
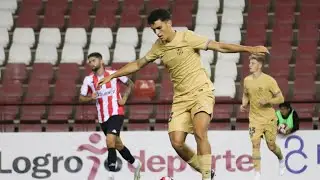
[108, 92]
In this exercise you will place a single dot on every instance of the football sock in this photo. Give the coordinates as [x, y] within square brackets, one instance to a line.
[112, 159]
[205, 166]
[125, 153]
[278, 153]
[256, 158]
[194, 163]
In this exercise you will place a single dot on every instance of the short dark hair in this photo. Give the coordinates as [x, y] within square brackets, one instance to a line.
[261, 58]
[95, 54]
[158, 14]
[285, 105]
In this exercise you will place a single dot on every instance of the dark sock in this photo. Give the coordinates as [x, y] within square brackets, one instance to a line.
[112, 158]
[125, 153]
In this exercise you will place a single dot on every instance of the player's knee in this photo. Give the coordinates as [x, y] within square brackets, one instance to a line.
[119, 146]
[111, 144]
[177, 144]
[111, 141]
[201, 136]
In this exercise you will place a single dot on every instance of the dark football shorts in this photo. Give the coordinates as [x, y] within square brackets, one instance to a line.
[113, 125]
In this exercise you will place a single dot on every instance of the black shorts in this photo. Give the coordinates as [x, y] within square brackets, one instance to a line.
[113, 125]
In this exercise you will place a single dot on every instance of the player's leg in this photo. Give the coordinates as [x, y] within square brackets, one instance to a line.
[178, 127]
[124, 151]
[177, 139]
[271, 136]
[111, 144]
[201, 121]
[201, 117]
[256, 133]
[112, 154]
[113, 131]
[126, 154]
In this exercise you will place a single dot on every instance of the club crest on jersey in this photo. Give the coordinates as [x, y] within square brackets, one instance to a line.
[179, 51]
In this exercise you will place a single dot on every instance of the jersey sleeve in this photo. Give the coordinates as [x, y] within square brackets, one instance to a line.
[154, 52]
[123, 79]
[197, 41]
[85, 87]
[274, 88]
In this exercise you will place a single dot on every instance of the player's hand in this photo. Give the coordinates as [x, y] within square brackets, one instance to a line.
[280, 126]
[122, 101]
[263, 102]
[94, 95]
[283, 131]
[259, 50]
[104, 81]
[244, 108]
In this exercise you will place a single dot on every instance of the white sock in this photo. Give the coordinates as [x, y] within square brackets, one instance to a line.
[136, 163]
[257, 173]
[281, 161]
[111, 174]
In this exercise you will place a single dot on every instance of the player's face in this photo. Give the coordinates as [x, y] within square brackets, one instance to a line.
[284, 111]
[254, 65]
[162, 29]
[95, 63]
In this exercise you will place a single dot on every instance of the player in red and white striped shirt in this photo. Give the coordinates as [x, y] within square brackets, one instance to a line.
[110, 107]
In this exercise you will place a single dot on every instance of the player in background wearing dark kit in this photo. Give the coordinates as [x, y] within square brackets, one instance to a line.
[193, 99]
[110, 107]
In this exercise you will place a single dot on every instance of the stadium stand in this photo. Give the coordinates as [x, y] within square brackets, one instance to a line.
[43, 45]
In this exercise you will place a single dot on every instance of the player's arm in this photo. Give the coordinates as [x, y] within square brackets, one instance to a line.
[84, 97]
[128, 82]
[130, 68]
[234, 48]
[277, 97]
[134, 66]
[126, 70]
[245, 102]
[201, 42]
[295, 118]
[245, 98]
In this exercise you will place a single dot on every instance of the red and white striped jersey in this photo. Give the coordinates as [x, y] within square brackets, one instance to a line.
[107, 95]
